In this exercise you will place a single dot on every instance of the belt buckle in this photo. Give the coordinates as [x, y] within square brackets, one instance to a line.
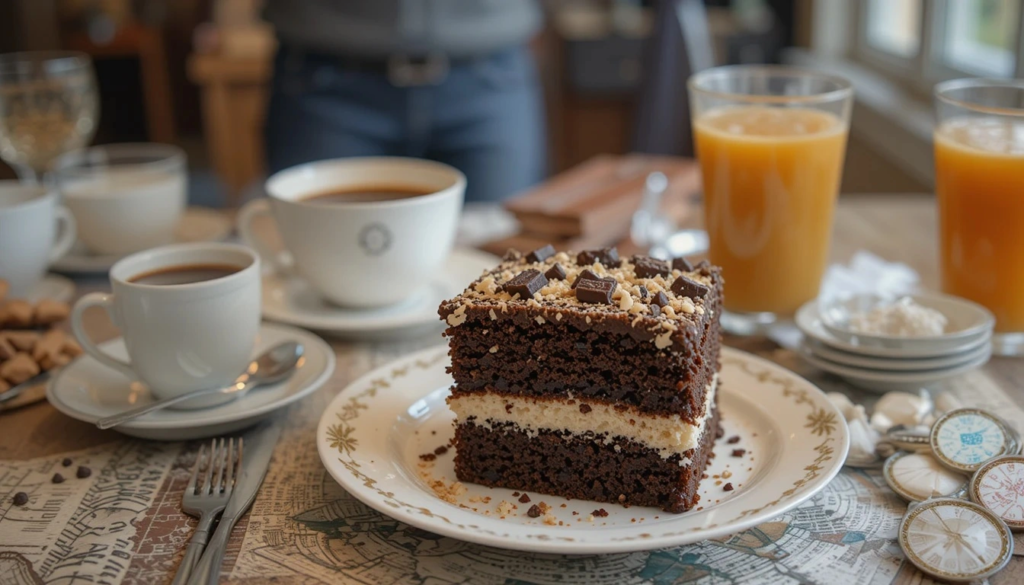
[404, 71]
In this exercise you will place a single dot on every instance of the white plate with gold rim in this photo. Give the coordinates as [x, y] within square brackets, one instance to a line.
[372, 435]
[291, 300]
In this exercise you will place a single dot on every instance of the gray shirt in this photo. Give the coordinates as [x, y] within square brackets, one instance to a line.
[379, 28]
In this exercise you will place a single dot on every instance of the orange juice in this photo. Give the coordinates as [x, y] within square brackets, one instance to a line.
[771, 176]
[979, 180]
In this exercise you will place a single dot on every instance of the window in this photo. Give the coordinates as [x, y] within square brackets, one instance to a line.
[894, 26]
[924, 41]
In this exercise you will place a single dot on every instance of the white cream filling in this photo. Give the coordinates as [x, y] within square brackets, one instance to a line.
[669, 435]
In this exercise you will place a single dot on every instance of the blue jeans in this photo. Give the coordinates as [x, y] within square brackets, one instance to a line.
[485, 118]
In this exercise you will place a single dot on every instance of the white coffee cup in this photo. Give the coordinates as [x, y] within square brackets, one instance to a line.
[29, 236]
[361, 254]
[125, 197]
[180, 337]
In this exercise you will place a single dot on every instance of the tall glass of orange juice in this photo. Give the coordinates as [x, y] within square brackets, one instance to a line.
[979, 182]
[771, 143]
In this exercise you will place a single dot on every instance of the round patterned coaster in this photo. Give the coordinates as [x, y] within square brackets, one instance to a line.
[955, 540]
[909, 439]
[918, 476]
[999, 486]
[965, 438]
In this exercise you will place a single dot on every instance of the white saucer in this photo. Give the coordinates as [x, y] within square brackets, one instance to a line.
[199, 224]
[967, 354]
[880, 381]
[291, 300]
[371, 436]
[88, 391]
[810, 324]
[54, 287]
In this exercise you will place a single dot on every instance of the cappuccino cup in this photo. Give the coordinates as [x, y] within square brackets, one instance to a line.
[188, 313]
[363, 232]
[34, 232]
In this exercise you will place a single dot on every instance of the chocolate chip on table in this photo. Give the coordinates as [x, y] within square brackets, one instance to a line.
[20, 499]
[441, 450]
[428, 457]
[728, 487]
[556, 272]
[682, 264]
[601, 513]
[534, 511]
[733, 439]
[647, 267]
[739, 452]
[598, 292]
[685, 287]
[67, 462]
[57, 478]
[83, 472]
[660, 299]
[606, 256]
[526, 283]
[524, 499]
[541, 254]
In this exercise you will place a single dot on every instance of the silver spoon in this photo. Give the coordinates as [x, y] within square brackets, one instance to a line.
[272, 366]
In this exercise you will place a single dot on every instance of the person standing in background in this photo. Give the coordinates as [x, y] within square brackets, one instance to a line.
[448, 80]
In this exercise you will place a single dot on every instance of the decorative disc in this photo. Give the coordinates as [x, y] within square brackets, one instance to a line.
[918, 476]
[955, 540]
[909, 439]
[965, 438]
[999, 486]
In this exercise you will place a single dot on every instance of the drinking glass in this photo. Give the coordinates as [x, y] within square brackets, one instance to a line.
[48, 106]
[771, 142]
[979, 183]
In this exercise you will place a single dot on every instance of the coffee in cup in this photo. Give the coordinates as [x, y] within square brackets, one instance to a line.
[188, 313]
[34, 232]
[363, 232]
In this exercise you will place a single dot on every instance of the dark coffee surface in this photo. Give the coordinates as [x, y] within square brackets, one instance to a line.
[367, 193]
[185, 274]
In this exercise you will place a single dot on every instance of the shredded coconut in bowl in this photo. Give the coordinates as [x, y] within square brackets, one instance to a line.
[904, 318]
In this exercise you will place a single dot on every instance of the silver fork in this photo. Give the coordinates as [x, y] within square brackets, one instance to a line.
[207, 500]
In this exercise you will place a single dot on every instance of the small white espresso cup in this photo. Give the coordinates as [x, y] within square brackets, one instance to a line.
[181, 337]
[361, 253]
[30, 238]
[125, 197]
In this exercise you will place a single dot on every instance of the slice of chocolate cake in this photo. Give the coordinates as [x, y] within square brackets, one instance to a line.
[587, 376]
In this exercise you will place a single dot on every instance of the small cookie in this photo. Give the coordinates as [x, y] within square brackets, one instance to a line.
[19, 368]
[21, 340]
[16, 313]
[49, 311]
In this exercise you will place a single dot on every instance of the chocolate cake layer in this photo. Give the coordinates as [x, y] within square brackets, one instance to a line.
[557, 359]
[582, 466]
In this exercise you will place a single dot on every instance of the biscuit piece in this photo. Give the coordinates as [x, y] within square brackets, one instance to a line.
[21, 340]
[16, 313]
[49, 312]
[19, 368]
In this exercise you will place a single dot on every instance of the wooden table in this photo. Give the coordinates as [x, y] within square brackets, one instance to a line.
[898, 228]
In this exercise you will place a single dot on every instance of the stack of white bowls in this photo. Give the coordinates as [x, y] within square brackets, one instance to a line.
[882, 363]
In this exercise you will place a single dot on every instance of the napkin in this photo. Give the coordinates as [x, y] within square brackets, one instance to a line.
[866, 273]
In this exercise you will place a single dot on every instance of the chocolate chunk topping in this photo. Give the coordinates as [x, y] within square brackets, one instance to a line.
[683, 264]
[589, 275]
[601, 512]
[644, 293]
[524, 499]
[728, 487]
[541, 254]
[526, 283]
[83, 472]
[57, 478]
[739, 452]
[20, 499]
[598, 292]
[685, 287]
[660, 299]
[607, 256]
[655, 310]
[534, 511]
[647, 267]
[733, 439]
[66, 462]
[556, 272]
[585, 408]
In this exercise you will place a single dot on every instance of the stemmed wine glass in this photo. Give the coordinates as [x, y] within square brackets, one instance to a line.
[48, 106]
